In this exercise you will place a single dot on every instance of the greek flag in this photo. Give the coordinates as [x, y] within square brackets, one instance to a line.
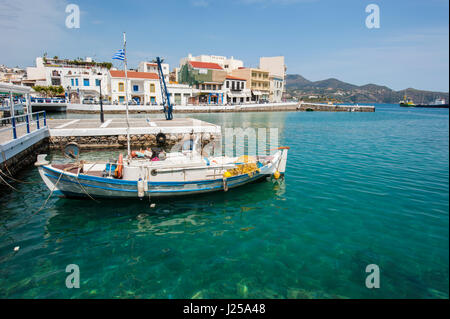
[120, 55]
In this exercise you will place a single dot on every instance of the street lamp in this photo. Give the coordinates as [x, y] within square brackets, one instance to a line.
[68, 94]
[102, 118]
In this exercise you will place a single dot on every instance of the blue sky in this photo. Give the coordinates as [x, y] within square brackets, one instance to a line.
[319, 38]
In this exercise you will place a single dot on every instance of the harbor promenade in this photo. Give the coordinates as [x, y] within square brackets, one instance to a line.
[267, 107]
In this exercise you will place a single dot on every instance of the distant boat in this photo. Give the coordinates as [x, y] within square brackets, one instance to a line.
[406, 102]
[438, 103]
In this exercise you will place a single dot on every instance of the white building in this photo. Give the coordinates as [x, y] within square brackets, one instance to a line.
[179, 93]
[142, 87]
[80, 79]
[277, 74]
[236, 91]
[12, 75]
[228, 64]
[276, 88]
[153, 68]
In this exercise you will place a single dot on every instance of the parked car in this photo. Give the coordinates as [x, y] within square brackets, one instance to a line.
[88, 100]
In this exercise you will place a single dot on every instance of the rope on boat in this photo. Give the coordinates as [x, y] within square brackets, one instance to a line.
[84, 190]
[10, 176]
[43, 205]
[7, 184]
[17, 180]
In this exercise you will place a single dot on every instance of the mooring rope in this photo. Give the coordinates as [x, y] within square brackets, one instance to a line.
[7, 184]
[18, 180]
[9, 172]
[84, 190]
[42, 207]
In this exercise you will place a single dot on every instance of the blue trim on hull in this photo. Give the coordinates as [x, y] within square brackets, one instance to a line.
[205, 189]
[134, 183]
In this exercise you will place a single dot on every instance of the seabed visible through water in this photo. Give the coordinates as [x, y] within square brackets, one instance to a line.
[360, 188]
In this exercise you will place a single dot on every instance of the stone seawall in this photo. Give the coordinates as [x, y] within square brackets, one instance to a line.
[23, 159]
[120, 141]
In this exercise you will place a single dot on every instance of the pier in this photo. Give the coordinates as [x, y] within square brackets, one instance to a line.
[21, 136]
[93, 134]
[323, 107]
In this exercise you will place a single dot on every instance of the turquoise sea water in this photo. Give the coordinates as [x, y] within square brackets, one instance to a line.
[360, 188]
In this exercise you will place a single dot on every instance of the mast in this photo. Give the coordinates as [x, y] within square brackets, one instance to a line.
[126, 92]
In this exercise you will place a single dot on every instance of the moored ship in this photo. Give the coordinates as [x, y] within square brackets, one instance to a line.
[438, 103]
[406, 102]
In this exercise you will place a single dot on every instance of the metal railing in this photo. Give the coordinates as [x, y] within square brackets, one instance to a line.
[47, 100]
[27, 119]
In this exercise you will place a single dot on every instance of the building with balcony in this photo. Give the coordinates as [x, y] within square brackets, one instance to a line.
[152, 67]
[206, 80]
[80, 79]
[141, 88]
[227, 64]
[277, 74]
[12, 75]
[180, 94]
[257, 81]
[236, 91]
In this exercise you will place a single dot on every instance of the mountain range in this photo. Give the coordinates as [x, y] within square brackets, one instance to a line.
[334, 89]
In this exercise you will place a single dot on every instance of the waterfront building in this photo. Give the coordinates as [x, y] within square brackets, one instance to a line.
[236, 91]
[180, 94]
[152, 67]
[276, 88]
[206, 80]
[12, 75]
[227, 64]
[80, 79]
[257, 81]
[142, 87]
[277, 74]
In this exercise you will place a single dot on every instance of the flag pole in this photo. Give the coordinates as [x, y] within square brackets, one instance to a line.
[126, 92]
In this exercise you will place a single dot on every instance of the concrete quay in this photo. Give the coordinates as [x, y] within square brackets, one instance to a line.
[268, 107]
[92, 134]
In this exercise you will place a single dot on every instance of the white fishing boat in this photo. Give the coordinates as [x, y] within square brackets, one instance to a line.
[155, 173]
[180, 173]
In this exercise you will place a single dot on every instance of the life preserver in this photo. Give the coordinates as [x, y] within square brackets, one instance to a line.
[118, 172]
[161, 139]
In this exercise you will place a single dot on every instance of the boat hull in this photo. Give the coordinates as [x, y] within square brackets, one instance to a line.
[68, 184]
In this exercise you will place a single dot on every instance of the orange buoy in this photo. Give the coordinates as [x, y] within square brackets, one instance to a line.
[118, 172]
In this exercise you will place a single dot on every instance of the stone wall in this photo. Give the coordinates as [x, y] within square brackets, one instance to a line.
[23, 159]
[120, 141]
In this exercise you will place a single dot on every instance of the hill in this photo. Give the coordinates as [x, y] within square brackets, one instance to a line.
[334, 89]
